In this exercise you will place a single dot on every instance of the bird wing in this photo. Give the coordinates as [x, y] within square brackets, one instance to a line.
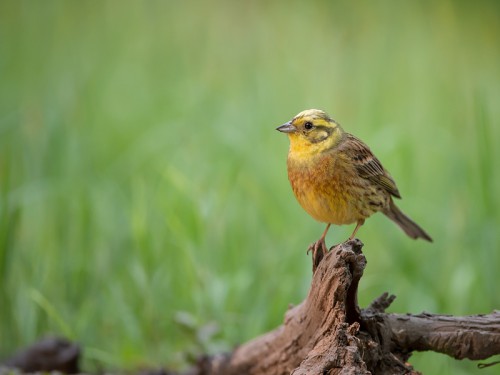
[367, 165]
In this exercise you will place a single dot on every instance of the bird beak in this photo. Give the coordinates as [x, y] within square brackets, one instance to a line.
[287, 128]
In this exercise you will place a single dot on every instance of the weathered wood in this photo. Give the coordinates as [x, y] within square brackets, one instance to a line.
[473, 337]
[328, 333]
[314, 332]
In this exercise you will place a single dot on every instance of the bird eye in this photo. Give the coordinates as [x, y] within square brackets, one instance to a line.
[308, 125]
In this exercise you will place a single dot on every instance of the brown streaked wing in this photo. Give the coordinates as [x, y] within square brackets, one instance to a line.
[367, 165]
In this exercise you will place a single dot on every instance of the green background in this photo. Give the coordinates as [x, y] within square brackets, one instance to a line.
[145, 210]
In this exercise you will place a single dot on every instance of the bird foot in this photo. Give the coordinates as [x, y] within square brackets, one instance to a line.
[318, 250]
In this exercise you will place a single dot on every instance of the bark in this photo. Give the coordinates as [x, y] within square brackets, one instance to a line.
[329, 334]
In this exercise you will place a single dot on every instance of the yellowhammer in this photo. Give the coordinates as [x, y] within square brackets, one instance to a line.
[337, 179]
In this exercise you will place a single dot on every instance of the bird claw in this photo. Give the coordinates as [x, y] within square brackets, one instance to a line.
[318, 245]
[318, 250]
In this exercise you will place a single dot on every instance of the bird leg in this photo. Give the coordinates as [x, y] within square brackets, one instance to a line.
[319, 249]
[358, 225]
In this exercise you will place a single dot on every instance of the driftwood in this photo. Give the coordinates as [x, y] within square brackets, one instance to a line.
[329, 334]
[326, 334]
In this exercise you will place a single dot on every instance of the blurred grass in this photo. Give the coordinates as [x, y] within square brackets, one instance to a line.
[141, 179]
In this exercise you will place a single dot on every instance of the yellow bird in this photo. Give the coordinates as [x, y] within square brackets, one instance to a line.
[337, 179]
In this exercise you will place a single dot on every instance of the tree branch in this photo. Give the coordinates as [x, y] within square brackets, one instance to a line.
[473, 337]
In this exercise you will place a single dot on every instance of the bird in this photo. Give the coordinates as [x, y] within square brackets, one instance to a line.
[337, 179]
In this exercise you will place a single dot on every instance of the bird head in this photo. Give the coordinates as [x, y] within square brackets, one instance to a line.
[312, 130]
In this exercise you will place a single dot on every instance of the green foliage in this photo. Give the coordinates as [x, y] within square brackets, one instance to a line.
[142, 180]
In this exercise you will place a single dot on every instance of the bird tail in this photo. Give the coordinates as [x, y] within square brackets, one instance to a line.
[411, 228]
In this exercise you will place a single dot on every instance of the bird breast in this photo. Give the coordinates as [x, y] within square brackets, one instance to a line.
[328, 188]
